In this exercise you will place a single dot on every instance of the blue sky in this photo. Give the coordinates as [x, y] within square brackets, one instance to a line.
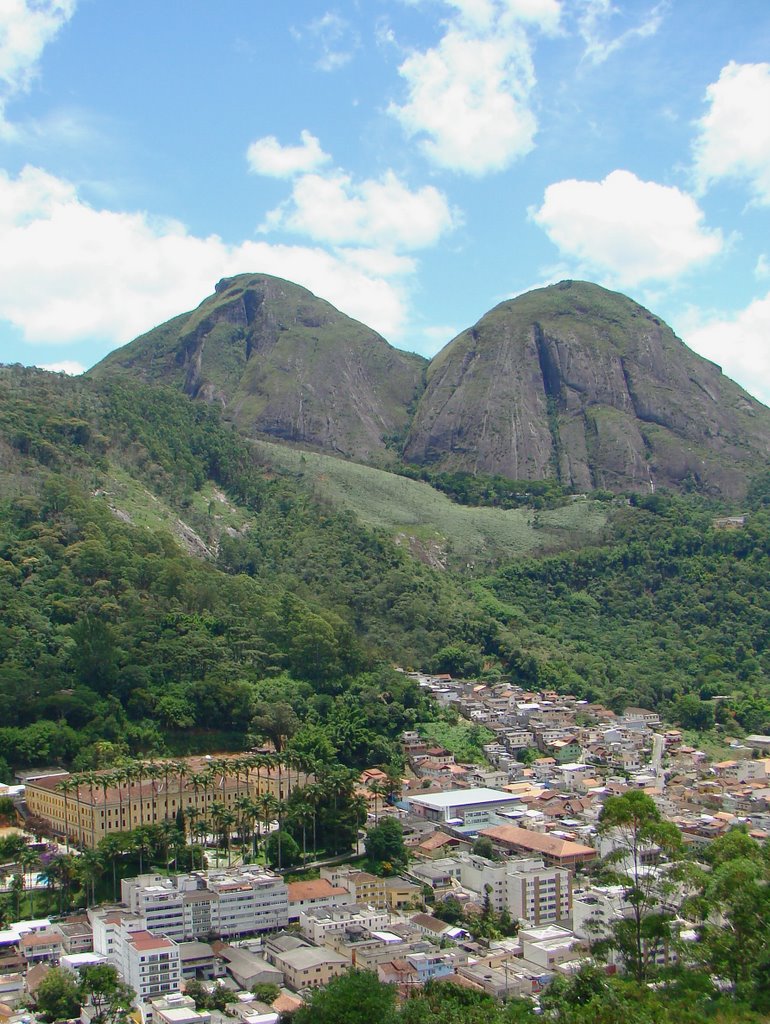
[413, 161]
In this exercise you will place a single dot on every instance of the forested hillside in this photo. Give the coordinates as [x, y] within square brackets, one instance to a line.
[161, 582]
[673, 614]
[112, 631]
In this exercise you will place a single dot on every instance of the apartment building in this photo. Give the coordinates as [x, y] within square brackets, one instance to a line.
[147, 962]
[538, 894]
[524, 886]
[362, 885]
[304, 966]
[317, 924]
[316, 894]
[228, 904]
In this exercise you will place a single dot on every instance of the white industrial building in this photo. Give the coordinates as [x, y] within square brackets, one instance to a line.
[463, 806]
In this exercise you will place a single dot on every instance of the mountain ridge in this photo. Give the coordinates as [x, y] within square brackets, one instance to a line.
[283, 363]
[571, 381]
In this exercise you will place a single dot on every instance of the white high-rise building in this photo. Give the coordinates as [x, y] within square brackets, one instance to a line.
[528, 889]
[147, 962]
[228, 904]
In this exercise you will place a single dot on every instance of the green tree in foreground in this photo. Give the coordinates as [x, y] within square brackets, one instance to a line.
[57, 996]
[385, 845]
[265, 992]
[642, 839]
[281, 850]
[110, 997]
[357, 997]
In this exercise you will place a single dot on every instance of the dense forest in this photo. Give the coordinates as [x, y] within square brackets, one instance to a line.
[673, 615]
[112, 632]
[161, 584]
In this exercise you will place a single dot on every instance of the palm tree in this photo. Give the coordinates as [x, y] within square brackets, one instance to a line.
[217, 811]
[302, 813]
[197, 781]
[227, 822]
[90, 868]
[180, 769]
[167, 833]
[106, 779]
[268, 809]
[111, 847]
[359, 808]
[314, 795]
[91, 779]
[140, 772]
[50, 875]
[66, 786]
[17, 888]
[154, 772]
[258, 762]
[377, 789]
[142, 842]
[191, 814]
[27, 859]
[244, 810]
[129, 774]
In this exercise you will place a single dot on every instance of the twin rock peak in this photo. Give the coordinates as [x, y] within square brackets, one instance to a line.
[571, 381]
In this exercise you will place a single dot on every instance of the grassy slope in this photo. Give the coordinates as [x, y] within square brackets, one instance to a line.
[427, 519]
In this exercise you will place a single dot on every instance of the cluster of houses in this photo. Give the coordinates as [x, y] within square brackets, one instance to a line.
[515, 836]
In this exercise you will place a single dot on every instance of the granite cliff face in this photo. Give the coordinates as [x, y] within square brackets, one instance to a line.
[581, 383]
[282, 363]
[570, 381]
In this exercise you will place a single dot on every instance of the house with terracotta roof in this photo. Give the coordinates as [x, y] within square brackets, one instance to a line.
[316, 894]
[440, 844]
[561, 853]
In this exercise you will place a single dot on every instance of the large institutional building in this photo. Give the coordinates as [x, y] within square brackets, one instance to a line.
[88, 807]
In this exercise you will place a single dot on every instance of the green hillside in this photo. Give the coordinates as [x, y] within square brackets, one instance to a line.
[162, 579]
[433, 527]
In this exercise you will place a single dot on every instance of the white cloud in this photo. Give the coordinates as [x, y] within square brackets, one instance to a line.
[628, 229]
[334, 37]
[267, 156]
[734, 135]
[469, 97]
[378, 213]
[26, 27]
[71, 272]
[740, 345]
[469, 101]
[591, 22]
[762, 268]
[68, 366]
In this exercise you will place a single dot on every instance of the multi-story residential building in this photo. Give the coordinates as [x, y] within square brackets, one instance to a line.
[363, 886]
[88, 808]
[562, 853]
[175, 1009]
[304, 966]
[316, 894]
[537, 894]
[76, 934]
[524, 886]
[597, 909]
[228, 904]
[148, 963]
[41, 947]
[317, 924]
